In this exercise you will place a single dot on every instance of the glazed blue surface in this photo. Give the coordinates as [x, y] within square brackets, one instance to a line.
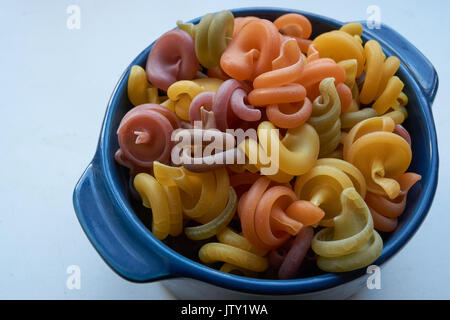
[103, 207]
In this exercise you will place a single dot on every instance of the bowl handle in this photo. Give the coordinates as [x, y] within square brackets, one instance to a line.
[420, 67]
[102, 220]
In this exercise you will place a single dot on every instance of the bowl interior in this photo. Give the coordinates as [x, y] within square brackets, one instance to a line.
[418, 125]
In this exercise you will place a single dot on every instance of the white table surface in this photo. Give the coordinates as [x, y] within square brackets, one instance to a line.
[54, 87]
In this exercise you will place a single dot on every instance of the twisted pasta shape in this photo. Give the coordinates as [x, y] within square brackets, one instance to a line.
[340, 45]
[201, 194]
[212, 227]
[296, 26]
[380, 84]
[241, 22]
[212, 36]
[229, 104]
[386, 211]
[317, 69]
[144, 136]
[214, 251]
[138, 89]
[172, 58]
[287, 105]
[293, 154]
[252, 50]
[352, 242]
[229, 237]
[325, 117]
[288, 262]
[270, 215]
[380, 155]
[323, 185]
[181, 94]
[165, 204]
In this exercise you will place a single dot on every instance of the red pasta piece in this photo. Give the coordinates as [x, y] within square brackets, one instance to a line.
[172, 58]
[145, 136]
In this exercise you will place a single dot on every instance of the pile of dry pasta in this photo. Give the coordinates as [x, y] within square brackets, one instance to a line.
[327, 116]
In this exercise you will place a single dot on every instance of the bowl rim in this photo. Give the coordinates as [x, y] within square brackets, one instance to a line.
[182, 266]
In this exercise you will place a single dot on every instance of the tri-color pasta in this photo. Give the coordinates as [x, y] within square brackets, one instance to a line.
[323, 163]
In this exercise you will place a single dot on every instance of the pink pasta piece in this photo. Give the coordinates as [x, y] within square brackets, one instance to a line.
[172, 58]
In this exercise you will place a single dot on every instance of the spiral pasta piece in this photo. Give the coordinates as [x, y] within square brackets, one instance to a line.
[325, 117]
[340, 45]
[317, 69]
[213, 251]
[294, 154]
[172, 58]
[229, 105]
[386, 211]
[165, 205]
[296, 26]
[270, 215]
[144, 136]
[352, 242]
[241, 22]
[380, 85]
[230, 237]
[381, 156]
[352, 28]
[182, 93]
[212, 36]
[287, 105]
[212, 227]
[201, 194]
[139, 90]
[251, 51]
[322, 186]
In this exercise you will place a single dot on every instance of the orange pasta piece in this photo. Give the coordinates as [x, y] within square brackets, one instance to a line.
[384, 210]
[317, 69]
[251, 51]
[296, 26]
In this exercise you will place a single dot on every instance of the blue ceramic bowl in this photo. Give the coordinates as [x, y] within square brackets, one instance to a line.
[102, 203]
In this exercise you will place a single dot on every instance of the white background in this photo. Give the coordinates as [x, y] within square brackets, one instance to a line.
[54, 87]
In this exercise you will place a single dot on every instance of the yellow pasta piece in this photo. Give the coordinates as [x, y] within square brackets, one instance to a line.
[325, 117]
[212, 252]
[182, 92]
[380, 155]
[154, 196]
[228, 236]
[323, 185]
[352, 242]
[352, 172]
[340, 45]
[139, 90]
[296, 152]
[398, 115]
[353, 28]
